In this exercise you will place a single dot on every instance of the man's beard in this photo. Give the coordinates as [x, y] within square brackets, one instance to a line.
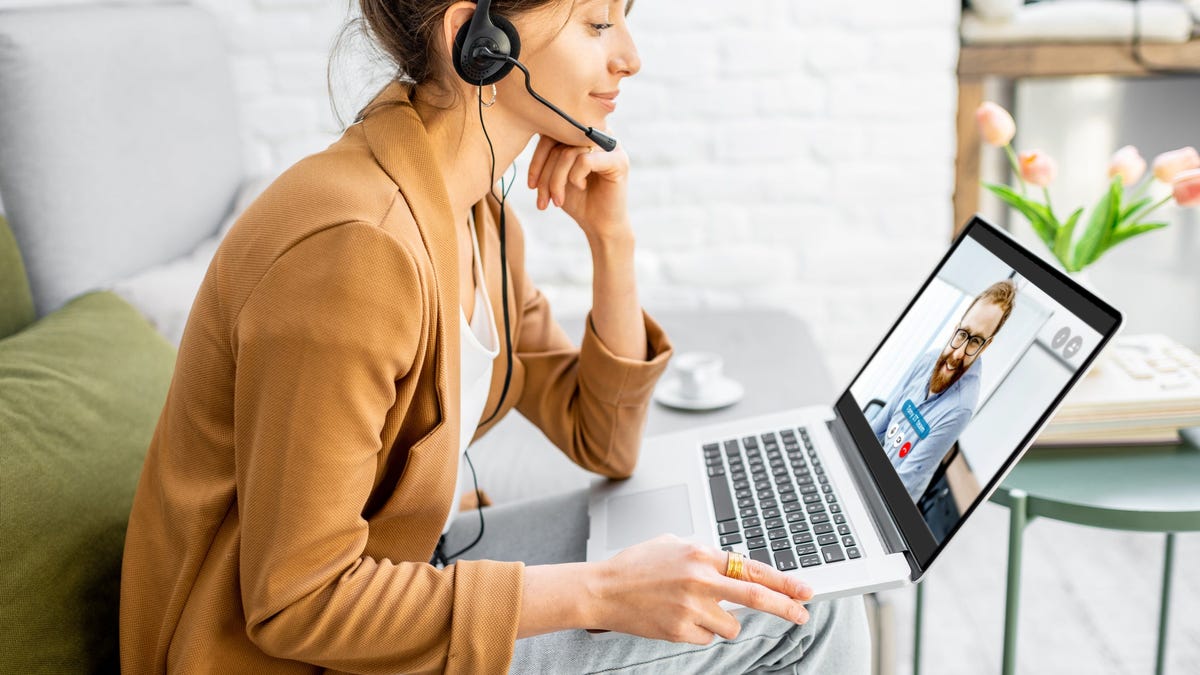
[940, 380]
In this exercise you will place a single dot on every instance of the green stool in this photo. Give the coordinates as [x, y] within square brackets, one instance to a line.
[1143, 489]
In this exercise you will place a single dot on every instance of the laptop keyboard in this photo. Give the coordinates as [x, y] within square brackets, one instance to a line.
[770, 493]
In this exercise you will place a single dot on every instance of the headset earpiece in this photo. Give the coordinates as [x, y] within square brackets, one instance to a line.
[497, 34]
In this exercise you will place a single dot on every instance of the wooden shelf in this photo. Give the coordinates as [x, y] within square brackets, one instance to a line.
[1055, 60]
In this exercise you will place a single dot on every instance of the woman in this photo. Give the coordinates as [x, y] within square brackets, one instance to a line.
[339, 357]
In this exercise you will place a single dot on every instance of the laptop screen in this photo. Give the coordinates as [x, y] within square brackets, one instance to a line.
[965, 378]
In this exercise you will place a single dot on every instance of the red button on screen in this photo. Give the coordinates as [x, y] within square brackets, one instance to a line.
[905, 448]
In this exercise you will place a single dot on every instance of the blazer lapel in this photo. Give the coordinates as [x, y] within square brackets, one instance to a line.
[397, 137]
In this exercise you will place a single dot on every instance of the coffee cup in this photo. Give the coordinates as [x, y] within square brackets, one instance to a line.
[697, 372]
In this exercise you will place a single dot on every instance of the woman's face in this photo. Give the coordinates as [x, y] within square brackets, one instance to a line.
[577, 57]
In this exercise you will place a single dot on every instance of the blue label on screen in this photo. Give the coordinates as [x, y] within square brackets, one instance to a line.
[918, 422]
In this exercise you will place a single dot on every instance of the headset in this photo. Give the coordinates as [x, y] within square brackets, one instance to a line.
[485, 51]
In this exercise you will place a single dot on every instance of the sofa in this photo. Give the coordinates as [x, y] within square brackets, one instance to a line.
[120, 164]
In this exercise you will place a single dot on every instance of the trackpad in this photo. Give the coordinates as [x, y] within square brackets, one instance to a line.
[645, 515]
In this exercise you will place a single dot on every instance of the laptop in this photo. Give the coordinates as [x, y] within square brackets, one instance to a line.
[863, 494]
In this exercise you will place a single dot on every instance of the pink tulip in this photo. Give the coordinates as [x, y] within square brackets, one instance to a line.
[1186, 188]
[1037, 167]
[1128, 164]
[995, 124]
[1169, 164]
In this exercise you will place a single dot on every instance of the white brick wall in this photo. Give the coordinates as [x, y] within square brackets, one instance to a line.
[793, 153]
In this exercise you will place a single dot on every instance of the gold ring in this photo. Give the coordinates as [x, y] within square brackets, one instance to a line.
[734, 565]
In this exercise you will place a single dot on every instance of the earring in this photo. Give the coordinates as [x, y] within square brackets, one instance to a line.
[488, 104]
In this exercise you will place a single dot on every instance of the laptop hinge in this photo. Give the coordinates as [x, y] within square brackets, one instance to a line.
[885, 525]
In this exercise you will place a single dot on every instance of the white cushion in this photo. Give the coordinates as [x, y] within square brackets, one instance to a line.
[1082, 21]
[164, 293]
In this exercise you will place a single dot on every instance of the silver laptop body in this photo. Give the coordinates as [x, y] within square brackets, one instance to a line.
[858, 535]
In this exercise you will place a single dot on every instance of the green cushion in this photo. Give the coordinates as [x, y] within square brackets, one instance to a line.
[80, 394]
[16, 302]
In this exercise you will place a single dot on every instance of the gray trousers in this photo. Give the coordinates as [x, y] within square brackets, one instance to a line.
[555, 529]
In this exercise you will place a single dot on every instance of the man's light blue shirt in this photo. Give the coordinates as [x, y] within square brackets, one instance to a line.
[931, 424]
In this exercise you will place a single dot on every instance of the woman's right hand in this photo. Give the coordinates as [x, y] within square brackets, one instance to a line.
[668, 589]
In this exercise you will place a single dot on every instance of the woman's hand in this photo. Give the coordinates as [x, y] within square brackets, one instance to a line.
[589, 186]
[668, 589]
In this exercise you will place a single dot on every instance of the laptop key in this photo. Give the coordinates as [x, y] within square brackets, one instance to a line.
[785, 560]
[806, 549]
[780, 544]
[762, 555]
[819, 518]
[743, 493]
[772, 512]
[810, 498]
[757, 542]
[803, 538]
[711, 447]
[839, 518]
[843, 529]
[810, 561]
[817, 507]
[852, 552]
[731, 539]
[748, 511]
[750, 522]
[741, 484]
[835, 508]
[727, 527]
[795, 517]
[827, 539]
[776, 534]
[831, 498]
[789, 497]
[832, 553]
[798, 527]
[808, 489]
[754, 532]
[773, 523]
[743, 502]
[792, 507]
[717, 470]
[722, 502]
[847, 541]
[823, 528]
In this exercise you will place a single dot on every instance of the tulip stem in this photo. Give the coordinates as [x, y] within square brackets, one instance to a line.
[1134, 217]
[1046, 192]
[1141, 189]
[1016, 167]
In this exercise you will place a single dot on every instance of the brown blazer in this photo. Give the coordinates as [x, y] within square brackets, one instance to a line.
[304, 462]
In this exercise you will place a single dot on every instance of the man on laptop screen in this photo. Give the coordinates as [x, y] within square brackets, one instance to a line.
[931, 405]
[947, 423]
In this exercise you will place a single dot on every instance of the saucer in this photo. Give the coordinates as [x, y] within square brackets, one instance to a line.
[721, 393]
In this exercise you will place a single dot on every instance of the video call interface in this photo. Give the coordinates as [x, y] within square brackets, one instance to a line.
[965, 376]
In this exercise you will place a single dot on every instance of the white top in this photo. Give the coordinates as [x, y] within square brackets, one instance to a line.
[480, 344]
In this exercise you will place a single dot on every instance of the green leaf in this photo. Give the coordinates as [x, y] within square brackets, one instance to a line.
[1062, 243]
[1037, 214]
[1127, 231]
[1133, 208]
[1100, 226]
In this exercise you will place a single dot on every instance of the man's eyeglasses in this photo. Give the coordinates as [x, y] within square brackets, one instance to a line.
[974, 342]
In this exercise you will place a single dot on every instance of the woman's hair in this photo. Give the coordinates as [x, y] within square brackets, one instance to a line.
[404, 34]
